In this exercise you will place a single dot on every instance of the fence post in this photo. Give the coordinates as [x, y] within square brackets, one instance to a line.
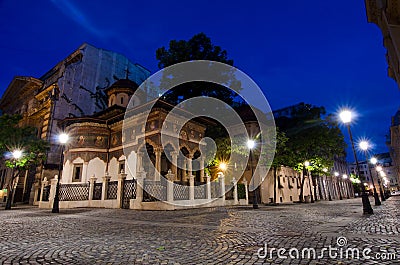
[92, 181]
[191, 187]
[44, 184]
[221, 180]
[140, 177]
[170, 186]
[104, 187]
[208, 186]
[120, 190]
[53, 187]
[235, 191]
[246, 190]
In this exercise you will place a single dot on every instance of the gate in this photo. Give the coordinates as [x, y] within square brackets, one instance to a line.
[128, 193]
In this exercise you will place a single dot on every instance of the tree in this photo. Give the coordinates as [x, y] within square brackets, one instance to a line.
[312, 137]
[13, 137]
[199, 47]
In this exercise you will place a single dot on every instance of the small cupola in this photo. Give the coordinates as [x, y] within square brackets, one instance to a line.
[121, 92]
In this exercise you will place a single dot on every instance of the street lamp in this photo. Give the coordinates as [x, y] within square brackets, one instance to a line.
[373, 161]
[62, 140]
[364, 145]
[346, 116]
[338, 185]
[251, 144]
[222, 166]
[15, 155]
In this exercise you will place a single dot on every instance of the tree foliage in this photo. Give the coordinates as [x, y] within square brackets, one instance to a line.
[199, 47]
[13, 137]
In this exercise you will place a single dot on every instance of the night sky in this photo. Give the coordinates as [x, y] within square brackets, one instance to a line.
[319, 52]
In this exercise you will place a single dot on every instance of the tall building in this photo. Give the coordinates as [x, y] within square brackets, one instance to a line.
[394, 144]
[74, 87]
[386, 15]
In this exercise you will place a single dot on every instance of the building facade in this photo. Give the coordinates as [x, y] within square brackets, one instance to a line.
[75, 87]
[385, 14]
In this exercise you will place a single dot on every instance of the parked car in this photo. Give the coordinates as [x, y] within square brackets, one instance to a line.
[395, 193]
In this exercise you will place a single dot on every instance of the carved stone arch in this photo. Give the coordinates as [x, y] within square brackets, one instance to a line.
[187, 146]
[169, 142]
[194, 150]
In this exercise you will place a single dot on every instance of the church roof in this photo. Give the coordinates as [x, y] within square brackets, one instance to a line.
[123, 83]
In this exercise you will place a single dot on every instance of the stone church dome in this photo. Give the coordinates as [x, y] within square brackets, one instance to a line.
[120, 92]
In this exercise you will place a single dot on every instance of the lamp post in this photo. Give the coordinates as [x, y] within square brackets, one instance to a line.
[338, 185]
[16, 154]
[346, 117]
[251, 144]
[62, 140]
[385, 183]
[373, 161]
[379, 173]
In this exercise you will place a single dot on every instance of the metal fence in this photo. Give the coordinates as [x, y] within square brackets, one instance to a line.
[154, 191]
[74, 192]
[229, 192]
[215, 189]
[97, 189]
[129, 192]
[46, 193]
[241, 190]
[200, 192]
[112, 190]
[181, 191]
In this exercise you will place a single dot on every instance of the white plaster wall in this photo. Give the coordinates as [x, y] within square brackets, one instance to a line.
[66, 175]
[130, 165]
[113, 168]
[97, 168]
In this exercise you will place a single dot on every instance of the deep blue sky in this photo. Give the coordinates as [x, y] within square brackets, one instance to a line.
[319, 52]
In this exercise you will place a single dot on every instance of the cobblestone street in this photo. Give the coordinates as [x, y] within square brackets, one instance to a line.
[199, 236]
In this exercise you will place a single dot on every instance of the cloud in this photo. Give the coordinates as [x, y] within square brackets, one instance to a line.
[73, 12]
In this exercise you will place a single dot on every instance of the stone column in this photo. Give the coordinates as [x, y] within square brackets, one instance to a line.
[184, 168]
[92, 181]
[208, 185]
[139, 163]
[157, 173]
[235, 191]
[170, 186]
[202, 169]
[44, 184]
[174, 155]
[246, 190]
[53, 187]
[35, 193]
[140, 177]
[221, 180]
[104, 187]
[190, 165]
[121, 179]
[191, 187]
[84, 171]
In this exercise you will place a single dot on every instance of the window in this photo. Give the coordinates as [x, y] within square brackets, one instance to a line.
[122, 100]
[77, 174]
[121, 167]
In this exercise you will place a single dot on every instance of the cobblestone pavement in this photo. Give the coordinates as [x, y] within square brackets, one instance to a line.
[201, 236]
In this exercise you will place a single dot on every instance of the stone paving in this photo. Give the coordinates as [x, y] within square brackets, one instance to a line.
[202, 236]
